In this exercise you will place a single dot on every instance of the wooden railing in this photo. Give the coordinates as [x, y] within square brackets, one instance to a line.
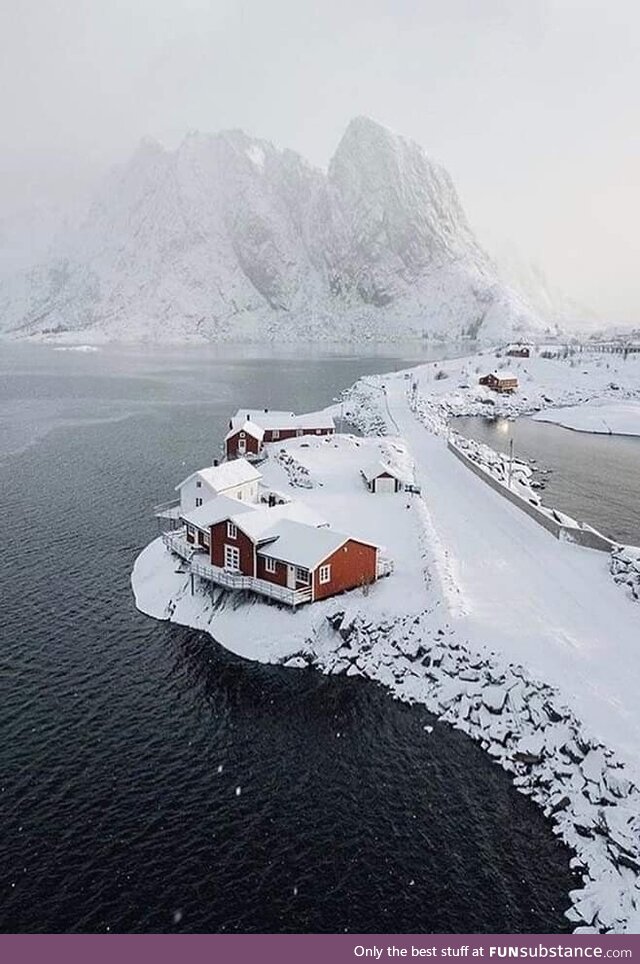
[235, 580]
[176, 542]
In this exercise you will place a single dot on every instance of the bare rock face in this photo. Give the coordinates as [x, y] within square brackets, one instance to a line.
[230, 237]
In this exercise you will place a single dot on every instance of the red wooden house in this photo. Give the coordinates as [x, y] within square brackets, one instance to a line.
[286, 552]
[250, 429]
[502, 382]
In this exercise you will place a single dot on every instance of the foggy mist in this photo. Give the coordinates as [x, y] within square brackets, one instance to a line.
[532, 105]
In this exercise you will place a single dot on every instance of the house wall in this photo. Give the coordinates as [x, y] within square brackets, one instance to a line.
[246, 492]
[279, 576]
[219, 538]
[352, 565]
[384, 475]
[231, 445]
[189, 492]
[287, 433]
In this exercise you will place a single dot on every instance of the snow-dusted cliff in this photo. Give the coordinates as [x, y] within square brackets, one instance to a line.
[229, 237]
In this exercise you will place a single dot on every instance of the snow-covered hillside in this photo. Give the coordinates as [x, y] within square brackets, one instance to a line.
[229, 237]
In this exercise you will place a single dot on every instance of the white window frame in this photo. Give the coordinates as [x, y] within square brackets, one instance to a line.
[231, 552]
[318, 431]
[243, 435]
[324, 575]
[299, 432]
[232, 530]
[191, 531]
[302, 575]
[206, 540]
[275, 433]
[270, 564]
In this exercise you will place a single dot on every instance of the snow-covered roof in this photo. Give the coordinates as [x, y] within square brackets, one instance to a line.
[222, 507]
[265, 418]
[259, 524]
[503, 376]
[225, 476]
[314, 420]
[251, 428]
[302, 545]
[376, 469]
[268, 420]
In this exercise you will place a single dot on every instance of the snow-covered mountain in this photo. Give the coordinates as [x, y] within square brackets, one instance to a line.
[230, 237]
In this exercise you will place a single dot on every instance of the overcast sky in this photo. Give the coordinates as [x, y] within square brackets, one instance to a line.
[533, 105]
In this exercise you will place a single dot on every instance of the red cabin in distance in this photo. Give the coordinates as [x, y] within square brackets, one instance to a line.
[250, 429]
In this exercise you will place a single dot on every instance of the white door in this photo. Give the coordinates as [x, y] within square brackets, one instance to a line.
[242, 446]
[385, 485]
[291, 577]
[232, 558]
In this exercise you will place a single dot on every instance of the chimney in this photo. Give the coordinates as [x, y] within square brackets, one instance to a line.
[215, 463]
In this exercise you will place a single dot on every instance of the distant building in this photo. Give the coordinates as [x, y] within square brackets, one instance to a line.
[502, 382]
[518, 351]
[250, 429]
[380, 478]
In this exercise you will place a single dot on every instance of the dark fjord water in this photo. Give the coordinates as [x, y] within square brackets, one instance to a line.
[594, 478]
[124, 739]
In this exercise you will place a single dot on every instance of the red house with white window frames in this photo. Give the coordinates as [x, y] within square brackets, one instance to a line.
[250, 429]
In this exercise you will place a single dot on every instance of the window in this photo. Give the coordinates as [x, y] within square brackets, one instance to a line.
[239, 495]
[325, 575]
[275, 433]
[198, 484]
[299, 431]
[318, 431]
[232, 532]
[205, 540]
[302, 575]
[198, 502]
[232, 558]
[190, 532]
[242, 435]
[270, 564]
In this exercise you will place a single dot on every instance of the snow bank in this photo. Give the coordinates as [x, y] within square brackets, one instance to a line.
[600, 417]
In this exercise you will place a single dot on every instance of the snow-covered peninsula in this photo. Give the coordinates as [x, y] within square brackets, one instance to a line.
[522, 640]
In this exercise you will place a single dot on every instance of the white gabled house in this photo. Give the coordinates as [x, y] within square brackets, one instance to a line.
[236, 480]
[381, 478]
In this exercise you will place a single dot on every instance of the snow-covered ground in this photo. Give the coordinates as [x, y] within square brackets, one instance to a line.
[601, 417]
[451, 387]
[520, 640]
[333, 486]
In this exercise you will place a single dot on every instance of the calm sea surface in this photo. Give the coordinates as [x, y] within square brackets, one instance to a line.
[594, 478]
[123, 739]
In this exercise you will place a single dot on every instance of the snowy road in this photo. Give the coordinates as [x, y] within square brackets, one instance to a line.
[511, 586]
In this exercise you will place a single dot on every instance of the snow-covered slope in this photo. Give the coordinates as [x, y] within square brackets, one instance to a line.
[230, 237]
[550, 301]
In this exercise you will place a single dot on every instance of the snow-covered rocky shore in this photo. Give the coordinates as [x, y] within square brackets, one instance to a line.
[529, 649]
[625, 569]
